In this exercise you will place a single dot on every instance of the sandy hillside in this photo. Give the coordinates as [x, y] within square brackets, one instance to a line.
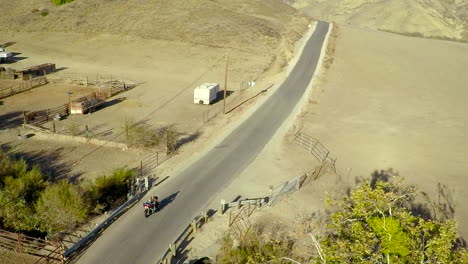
[431, 18]
[219, 23]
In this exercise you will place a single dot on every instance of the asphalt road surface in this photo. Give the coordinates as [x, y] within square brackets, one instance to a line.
[136, 239]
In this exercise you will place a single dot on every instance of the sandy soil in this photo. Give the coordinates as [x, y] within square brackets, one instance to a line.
[406, 112]
[438, 18]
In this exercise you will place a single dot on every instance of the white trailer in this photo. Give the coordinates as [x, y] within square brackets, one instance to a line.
[4, 56]
[205, 93]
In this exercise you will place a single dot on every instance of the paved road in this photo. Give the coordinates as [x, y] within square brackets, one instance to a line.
[134, 239]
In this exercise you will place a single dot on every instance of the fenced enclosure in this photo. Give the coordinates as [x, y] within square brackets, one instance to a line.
[22, 86]
[320, 152]
[45, 251]
[41, 117]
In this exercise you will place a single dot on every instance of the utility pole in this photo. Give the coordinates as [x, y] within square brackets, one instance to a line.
[225, 83]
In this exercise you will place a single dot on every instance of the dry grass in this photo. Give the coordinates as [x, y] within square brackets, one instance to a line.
[331, 47]
[219, 23]
[11, 257]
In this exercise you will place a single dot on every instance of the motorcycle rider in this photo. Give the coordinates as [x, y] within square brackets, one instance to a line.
[154, 200]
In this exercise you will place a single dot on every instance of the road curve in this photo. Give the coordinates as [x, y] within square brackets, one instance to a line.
[136, 239]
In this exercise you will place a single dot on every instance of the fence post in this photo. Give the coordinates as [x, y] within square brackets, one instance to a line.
[194, 225]
[25, 120]
[47, 114]
[141, 168]
[173, 250]
[19, 243]
[222, 207]
[239, 204]
[53, 125]
[205, 216]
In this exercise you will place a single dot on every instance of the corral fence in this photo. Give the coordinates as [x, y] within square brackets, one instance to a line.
[101, 80]
[45, 251]
[319, 151]
[41, 117]
[22, 86]
[149, 163]
[239, 222]
[284, 190]
[38, 118]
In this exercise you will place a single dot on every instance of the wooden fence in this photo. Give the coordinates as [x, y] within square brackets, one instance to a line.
[45, 251]
[38, 118]
[23, 86]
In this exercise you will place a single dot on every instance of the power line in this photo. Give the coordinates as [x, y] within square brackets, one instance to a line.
[152, 112]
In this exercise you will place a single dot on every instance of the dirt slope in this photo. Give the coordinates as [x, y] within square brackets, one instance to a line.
[430, 18]
[213, 22]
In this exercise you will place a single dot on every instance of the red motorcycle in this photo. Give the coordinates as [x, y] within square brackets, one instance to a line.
[150, 207]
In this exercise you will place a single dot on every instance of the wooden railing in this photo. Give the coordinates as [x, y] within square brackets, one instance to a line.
[46, 251]
[23, 86]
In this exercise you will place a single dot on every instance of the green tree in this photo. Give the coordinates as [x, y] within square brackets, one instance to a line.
[60, 206]
[375, 225]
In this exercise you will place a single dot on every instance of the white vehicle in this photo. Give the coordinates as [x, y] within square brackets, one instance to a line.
[205, 93]
[4, 56]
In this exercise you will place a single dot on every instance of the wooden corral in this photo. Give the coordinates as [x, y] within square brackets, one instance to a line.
[28, 73]
[38, 70]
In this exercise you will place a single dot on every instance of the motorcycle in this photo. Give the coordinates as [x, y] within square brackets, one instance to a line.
[150, 208]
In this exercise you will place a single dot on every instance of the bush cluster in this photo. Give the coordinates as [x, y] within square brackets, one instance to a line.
[30, 203]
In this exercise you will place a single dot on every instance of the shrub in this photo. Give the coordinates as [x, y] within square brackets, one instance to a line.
[257, 246]
[107, 191]
[142, 135]
[60, 206]
[20, 187]
[44, 13]
[61, 2]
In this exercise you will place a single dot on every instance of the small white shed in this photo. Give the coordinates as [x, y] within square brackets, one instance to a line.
[205, 93]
